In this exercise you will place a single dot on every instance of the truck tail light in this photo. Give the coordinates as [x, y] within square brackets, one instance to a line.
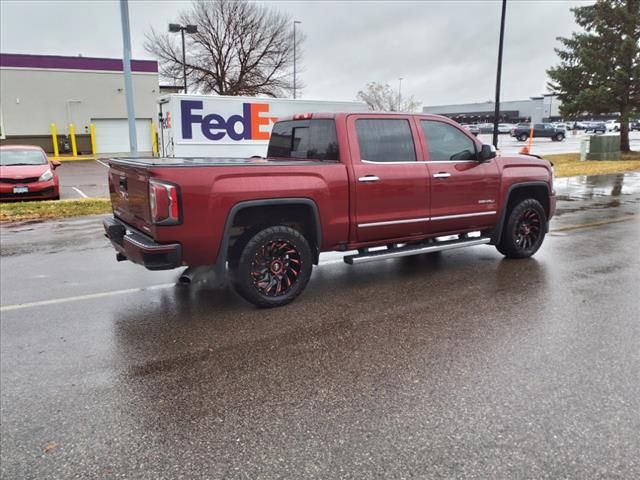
[164, 202]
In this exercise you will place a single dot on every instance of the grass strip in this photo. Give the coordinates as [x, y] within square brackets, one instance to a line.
[41, 210]
[569, 164]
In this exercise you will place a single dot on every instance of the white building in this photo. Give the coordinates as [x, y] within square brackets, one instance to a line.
[39, 90]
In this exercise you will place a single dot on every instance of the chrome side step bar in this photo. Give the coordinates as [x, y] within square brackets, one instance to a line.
[413, 250]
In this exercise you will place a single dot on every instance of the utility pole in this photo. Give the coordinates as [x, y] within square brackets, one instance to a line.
[295, 47]
[498, 76]
[400, 94]
[184, 63]
[175, 28]
[128, 83]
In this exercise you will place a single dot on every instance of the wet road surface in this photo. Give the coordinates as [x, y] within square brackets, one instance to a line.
[452, 365]
[83, 178]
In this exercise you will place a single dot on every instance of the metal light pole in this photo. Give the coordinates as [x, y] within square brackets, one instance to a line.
[498, 76]
[295, 46]
[400, 94]
[175, 28]
[128, 83]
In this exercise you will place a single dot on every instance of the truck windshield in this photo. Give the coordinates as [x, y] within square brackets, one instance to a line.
[308, 139]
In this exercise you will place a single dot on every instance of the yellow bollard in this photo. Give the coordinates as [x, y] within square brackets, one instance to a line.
[154, 139]
[54, 139]
[92, 131]
[72, 134]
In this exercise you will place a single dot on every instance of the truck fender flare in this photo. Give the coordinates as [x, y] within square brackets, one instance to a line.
[497, 232]
[224, 245]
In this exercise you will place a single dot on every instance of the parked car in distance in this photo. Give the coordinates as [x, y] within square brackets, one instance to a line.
[634, 125]
[596, 127]
[26, 173]
[485, 127]
[504, 127]
[565, 126]
[473, 129]
[386, 185]
[540, 130]
[612, 125]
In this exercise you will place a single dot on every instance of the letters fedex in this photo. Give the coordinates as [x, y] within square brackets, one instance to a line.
[215, 126]
[219, 126]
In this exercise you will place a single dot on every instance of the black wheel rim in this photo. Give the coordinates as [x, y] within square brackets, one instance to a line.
[275, 268]
[528, 229]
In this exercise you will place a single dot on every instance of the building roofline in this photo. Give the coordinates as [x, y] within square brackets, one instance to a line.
[60, 62]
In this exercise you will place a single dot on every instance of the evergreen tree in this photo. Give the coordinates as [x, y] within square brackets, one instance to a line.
[599, 70]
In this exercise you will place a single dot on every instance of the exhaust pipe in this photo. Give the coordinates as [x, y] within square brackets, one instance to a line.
[187, 277]
[205, 274]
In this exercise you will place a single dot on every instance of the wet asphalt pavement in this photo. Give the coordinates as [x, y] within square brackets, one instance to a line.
[452, 365]
[83, 178]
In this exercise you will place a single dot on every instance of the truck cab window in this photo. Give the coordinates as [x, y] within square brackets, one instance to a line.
[447, 143]
[308, 139]
[385, 140]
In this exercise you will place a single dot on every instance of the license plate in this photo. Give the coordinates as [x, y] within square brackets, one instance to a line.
[20, 189]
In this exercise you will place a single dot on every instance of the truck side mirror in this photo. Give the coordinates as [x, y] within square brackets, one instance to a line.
[487, 152]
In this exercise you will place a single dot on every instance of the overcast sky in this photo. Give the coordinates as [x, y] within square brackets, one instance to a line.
[446, 51]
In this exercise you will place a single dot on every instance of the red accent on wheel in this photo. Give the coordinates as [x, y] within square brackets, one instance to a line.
[528, 229]
[275, 268]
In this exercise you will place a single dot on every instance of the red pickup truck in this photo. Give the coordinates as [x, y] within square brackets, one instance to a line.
[330, 182]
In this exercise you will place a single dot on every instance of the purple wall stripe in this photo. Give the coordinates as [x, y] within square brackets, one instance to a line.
[74, 63]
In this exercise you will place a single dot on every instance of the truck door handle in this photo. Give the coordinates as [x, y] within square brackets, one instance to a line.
[441, 175]
[368, 179]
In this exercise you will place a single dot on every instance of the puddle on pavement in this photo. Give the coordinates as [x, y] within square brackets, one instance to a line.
[596, 186]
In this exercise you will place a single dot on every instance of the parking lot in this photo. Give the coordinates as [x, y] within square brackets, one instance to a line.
[452, 365]
[83, 178]
[544, 146]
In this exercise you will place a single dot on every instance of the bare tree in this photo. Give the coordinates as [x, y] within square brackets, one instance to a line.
[240, 48]
[382, 98]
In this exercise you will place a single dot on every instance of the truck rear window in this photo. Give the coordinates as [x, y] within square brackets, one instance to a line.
[309, 139]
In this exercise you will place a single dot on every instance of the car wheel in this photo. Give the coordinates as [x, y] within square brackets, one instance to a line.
[274, 267]
[559, 137]
[524, 230]
[523, 137]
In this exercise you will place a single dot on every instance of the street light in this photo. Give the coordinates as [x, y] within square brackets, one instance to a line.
[175, 28]
[498, 76]
[295, 22]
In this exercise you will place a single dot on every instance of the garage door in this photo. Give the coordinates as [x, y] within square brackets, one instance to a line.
[112, 134]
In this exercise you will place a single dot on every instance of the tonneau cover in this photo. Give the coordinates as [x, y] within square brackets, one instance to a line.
[214, 162]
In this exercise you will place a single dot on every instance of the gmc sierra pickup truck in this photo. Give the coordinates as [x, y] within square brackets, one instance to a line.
[384, 185]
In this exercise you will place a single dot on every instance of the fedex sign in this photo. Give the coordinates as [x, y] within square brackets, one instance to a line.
[247, 126]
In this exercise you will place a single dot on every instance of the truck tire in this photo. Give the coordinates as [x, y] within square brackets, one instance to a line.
[523, 137]
[558, 137]
[524, 230]
[274, 267]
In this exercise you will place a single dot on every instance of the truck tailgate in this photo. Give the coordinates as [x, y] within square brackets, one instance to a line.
[129, 191]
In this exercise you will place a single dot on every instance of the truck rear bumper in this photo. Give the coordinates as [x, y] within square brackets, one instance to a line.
[133, 245]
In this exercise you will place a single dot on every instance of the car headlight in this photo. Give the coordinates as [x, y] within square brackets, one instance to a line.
[46, 176]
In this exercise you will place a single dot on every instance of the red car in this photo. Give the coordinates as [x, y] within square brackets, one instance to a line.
[26, 173]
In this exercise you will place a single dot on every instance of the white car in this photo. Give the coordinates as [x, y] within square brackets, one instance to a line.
[612, 125]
